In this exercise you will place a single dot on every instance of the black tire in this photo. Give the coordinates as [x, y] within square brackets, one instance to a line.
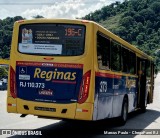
[143, 108]
[124, 112]
[144, 105]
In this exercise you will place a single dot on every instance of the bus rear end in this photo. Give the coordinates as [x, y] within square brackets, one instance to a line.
[51, 69]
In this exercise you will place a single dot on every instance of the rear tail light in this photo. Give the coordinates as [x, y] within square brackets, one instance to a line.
[13, 90]
[84, 88]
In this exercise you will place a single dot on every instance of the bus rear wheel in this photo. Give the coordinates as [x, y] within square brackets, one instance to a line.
[124, 112]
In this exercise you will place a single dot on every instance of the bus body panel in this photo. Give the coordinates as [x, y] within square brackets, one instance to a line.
[46, 109]
[104, 83]
[119, 90]
[67, 72]
[84, 111]
[48, 82]
[124, 85]
[111, 89]
[11, 105]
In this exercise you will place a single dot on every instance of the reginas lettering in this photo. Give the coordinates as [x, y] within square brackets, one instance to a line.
[55, 75]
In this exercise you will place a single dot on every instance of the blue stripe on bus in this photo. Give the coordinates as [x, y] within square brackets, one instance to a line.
[111, 89]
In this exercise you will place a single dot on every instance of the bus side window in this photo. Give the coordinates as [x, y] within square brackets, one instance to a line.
[103, 52]
[116, 56]
[132, 63]
[125, 60]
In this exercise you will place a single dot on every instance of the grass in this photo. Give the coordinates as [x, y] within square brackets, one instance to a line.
[112, 22]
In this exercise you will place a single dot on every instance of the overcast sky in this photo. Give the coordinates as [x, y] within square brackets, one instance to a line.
[50, 8]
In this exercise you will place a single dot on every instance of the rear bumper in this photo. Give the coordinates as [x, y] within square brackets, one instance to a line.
[11, 105]
[69, 111]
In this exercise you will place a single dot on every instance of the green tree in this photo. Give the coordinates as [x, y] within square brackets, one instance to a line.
[5, 52]
[140, 27]
[139, 39]
[127, 21]
[156, 7]
[3, 72]
[138, 18]
[147, 14]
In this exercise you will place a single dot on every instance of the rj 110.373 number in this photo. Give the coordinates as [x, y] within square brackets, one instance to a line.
[32, 85]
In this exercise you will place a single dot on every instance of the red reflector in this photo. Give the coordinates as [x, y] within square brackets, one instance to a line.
[84, 110]
[84, 88]
[13, 83]
[9, 104]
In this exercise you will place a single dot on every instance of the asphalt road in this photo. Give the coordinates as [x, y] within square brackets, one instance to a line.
[57, 128]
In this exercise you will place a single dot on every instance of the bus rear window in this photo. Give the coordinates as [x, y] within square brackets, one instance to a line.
[51, 39]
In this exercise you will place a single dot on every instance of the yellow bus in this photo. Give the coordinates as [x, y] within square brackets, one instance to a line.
[76, 69]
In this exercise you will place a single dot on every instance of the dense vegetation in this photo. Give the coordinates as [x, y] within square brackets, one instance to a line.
[6, 27]
[3, 72]
[136, 21]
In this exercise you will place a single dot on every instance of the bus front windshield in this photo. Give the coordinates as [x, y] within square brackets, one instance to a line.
[51, 39]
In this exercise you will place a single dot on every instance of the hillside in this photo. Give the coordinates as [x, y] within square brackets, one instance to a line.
[112, 23]
[136, 21]
[6, 28]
